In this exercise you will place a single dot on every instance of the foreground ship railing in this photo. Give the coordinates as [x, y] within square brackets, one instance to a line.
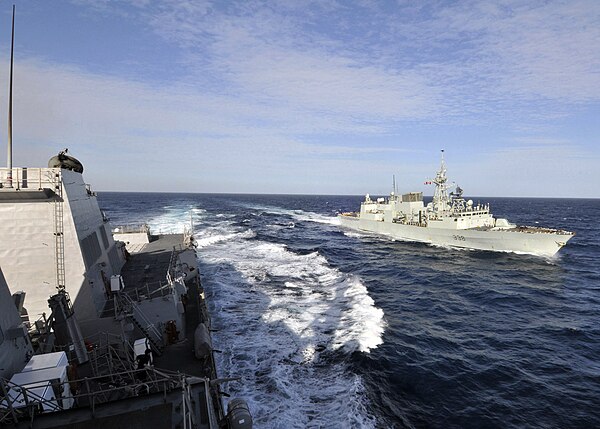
[28, 178]
[91, 398]
[132, 228]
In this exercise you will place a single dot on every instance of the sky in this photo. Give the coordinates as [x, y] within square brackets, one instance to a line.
[309, 97]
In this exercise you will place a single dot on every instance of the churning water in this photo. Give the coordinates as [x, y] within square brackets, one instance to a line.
[337, 329]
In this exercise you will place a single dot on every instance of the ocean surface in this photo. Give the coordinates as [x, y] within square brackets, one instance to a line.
[335, 329]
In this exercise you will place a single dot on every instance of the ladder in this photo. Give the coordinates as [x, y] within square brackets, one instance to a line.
[59, 233]
[139, 319]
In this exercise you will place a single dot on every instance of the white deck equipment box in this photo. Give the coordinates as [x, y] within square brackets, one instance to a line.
[49, 386]
[48, 360]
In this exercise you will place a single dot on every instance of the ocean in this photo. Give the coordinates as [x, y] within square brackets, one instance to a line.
[329, 328]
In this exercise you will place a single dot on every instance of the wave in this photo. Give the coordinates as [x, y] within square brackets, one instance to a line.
[476, 339]
[211, 237]
[175, 220]
[300, 215]
[316, 217]
[310, 294]
[281, 317]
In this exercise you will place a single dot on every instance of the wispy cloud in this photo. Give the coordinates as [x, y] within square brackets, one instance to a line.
[385, 63]
[310, 88]
[129, 126]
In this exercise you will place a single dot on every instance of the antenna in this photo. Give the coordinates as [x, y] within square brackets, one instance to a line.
[10, 87]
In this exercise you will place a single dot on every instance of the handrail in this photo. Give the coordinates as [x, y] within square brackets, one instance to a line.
[131, 228]
[149, 326]
[25, 177]
[149, 378]
[174, 271]
[171, 270]
[141, 292]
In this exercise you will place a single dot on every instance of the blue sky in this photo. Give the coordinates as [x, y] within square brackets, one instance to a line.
[325, 97]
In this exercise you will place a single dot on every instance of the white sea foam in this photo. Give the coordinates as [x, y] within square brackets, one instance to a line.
[277, 313]
[215, 236]
[316, 217]
[314, 294]
[354, 234]
[300, 215]
[174, 220]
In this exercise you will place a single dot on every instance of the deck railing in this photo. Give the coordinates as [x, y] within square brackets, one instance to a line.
[28, 178]
[131, 228]
[89, 392]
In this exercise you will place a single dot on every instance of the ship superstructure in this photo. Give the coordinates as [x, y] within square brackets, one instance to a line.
[122, 312]
[99, 331]
[154, 374]
[451, 220]
[15, 345]
[55, 237]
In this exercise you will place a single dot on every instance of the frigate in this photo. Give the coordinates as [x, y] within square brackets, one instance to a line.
[451, 220]
[99, 326]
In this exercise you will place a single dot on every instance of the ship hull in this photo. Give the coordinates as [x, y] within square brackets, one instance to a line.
[511, 240]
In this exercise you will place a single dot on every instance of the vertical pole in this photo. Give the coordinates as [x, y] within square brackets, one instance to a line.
[9, 153]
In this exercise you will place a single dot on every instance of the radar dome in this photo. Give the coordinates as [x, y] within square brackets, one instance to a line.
[67, 162]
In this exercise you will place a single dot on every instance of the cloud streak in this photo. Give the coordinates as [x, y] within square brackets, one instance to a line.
[414, 63]
[278, 89]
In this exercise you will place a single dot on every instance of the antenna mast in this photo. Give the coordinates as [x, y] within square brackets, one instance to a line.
[9, 157]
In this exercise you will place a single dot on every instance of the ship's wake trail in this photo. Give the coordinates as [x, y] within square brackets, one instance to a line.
[287, 324]
[300, 215]
[174, 220]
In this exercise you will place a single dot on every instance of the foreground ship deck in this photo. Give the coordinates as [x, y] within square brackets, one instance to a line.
[110, 390]
[450, 220]
[106, 331]
[127, 311]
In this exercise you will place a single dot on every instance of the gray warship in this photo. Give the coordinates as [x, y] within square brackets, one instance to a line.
[451, 220]
[99, 326]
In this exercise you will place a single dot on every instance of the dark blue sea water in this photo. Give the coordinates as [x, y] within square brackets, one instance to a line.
[331, 328]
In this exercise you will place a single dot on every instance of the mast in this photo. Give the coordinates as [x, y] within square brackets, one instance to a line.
[10, 91]
[440, 197]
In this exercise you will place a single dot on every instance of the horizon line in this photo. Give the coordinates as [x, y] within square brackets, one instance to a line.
[328, 195]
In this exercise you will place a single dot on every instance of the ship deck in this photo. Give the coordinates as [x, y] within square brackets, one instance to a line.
[147, 265]
[146, 268]
[180, 356]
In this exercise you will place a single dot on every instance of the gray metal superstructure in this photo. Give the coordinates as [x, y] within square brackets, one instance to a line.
[128, 311]
[450, 220]
[119, 337]
[15, 346]
[51, 216]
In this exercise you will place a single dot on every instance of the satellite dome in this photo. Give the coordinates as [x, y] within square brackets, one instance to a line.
[62, 160]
